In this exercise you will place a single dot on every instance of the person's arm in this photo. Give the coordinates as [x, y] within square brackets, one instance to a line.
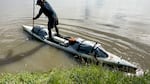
[38, 15]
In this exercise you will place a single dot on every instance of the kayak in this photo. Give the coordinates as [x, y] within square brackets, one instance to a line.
[81, 47]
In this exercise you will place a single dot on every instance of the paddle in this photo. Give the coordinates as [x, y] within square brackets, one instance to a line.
[33, 10]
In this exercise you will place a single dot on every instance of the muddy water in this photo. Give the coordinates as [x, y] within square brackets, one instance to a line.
[121, 26]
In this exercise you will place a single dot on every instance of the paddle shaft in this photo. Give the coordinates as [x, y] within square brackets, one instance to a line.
[33, 10]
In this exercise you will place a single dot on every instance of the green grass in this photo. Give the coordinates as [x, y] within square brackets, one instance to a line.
[78, 75]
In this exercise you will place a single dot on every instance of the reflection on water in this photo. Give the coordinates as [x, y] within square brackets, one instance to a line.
[121, 26]
[10, 58]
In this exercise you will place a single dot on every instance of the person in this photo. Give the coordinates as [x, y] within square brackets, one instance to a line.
[50, 13]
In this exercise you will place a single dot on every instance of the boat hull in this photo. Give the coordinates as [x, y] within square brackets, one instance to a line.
[112, 60]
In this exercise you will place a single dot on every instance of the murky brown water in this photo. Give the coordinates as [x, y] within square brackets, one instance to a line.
[121, 26]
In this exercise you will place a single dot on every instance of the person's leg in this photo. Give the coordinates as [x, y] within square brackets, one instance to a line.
[49, 30]
[56, 28]
[57, 31]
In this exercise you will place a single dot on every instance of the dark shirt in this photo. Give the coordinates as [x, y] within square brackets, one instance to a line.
[47, 10]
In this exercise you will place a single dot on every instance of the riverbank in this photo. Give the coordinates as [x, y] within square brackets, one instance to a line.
[77, 75]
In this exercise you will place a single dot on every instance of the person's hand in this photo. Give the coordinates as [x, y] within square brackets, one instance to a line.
[34, 18]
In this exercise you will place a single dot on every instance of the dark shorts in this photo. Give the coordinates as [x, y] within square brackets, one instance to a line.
[52, 22]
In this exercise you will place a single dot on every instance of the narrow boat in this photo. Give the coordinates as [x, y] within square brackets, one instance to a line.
[81, 47]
